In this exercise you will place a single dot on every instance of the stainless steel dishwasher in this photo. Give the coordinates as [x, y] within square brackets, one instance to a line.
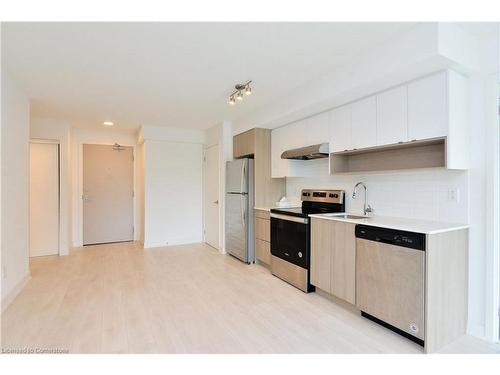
[390, 274]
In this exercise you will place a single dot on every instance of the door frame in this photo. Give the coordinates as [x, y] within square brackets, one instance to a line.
[79, 192]
[492, 257]
[204, 199]
[60, 213]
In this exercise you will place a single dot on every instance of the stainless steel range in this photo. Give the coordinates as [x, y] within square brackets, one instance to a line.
[290, 235]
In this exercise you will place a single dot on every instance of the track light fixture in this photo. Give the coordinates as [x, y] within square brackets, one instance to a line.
[238, 92]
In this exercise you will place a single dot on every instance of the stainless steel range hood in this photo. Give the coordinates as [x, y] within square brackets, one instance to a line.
[307, 153]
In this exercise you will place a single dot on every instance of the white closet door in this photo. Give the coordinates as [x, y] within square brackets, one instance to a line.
[44, 199]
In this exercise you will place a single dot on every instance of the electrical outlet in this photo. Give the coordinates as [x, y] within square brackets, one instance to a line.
[454, 195]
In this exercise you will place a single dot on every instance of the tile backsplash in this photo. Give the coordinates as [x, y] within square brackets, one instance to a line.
[429, 194]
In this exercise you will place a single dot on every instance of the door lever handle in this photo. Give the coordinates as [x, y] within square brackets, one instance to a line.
[216, 202]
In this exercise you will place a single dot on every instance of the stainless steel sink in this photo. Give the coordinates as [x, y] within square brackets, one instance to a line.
[347, 216]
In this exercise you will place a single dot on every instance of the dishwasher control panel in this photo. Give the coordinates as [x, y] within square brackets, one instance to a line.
[391, 236]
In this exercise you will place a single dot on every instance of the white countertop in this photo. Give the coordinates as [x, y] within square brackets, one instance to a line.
[410, 225]
[269, 208]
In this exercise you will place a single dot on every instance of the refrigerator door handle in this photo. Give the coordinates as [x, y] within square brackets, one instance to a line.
[242, 181]
[243, 211]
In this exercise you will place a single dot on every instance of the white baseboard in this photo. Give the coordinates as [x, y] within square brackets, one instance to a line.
[7, 300]
[477, 330]
[186, 241]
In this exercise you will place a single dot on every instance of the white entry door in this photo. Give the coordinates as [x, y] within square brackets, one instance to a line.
[108, 180]
[44, 199]
[211, 201]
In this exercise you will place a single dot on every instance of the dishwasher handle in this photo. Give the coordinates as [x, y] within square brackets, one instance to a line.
[386, 241]
[393, 237]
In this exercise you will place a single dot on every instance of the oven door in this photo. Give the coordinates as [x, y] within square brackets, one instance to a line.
[290, 239]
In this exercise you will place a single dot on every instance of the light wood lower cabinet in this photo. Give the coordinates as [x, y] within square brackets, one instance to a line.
[263, 229]
[263, 236]
[321, 255]
[423, 293]
[263, 251]
[333, 258]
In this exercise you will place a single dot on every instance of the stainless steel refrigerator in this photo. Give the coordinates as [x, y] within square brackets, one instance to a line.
[239, 220]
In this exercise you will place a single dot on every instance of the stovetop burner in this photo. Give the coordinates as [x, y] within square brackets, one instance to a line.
[315, 202]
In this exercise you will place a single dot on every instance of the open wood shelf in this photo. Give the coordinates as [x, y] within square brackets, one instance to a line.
[417, 154]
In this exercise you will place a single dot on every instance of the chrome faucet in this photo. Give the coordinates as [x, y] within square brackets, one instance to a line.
[366, 207]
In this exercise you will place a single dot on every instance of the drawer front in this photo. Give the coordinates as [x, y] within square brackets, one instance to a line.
[263, 214]
[262, 229]
[263, 251]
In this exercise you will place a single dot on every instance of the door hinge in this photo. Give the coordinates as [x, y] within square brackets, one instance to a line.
[205, 158]
[133, 194]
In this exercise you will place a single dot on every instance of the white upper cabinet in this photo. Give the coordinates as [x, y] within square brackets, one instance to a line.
[431, 107]
[428, 107]
[301, 133]
[340, 129]
[317, 129]
[392, 116]
[364, 123]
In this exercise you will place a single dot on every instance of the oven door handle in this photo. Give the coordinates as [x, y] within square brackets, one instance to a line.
[295, 219]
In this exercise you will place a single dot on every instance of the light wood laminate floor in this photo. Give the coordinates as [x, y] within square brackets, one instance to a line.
[120, 298]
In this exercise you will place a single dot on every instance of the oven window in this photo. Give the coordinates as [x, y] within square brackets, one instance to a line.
[290, 241]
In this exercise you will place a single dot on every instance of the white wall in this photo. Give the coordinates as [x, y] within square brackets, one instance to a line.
[94, 136]
[164, 133]
[15, 188]
[173, 193]
[221, 135]
[172, 185]
[51, 129]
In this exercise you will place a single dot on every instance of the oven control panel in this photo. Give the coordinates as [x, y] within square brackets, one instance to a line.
[327, 196]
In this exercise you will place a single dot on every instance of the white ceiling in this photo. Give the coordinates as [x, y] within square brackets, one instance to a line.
[173, 74]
